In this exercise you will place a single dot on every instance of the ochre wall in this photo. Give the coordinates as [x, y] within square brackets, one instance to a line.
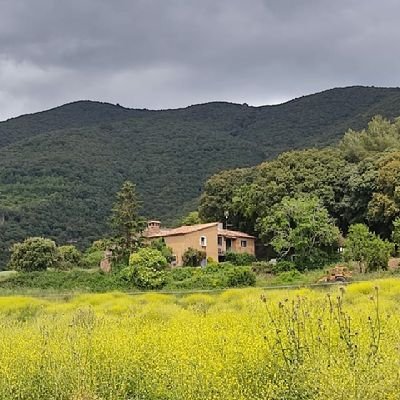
[180, 243]
[250, 248]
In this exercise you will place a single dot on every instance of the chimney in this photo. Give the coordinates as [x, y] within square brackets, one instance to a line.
[153, 227]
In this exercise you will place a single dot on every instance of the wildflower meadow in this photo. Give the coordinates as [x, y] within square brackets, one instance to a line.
[241, 344]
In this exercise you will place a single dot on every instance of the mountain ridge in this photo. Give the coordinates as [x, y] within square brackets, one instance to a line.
[60, 168]
[98, 102]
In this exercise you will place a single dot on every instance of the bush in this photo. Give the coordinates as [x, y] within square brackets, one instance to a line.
[283, 266]
[199, 280]
[217, 267]
[193, 257]
[69, 257]
[367, 249]
[319, 258]
[148, 257]
[144, 277]
[181, 274]
[146, 269]
[101, 245]
[92, 259]
[166, 251]
[381, 251]
[75, 280]
[262, 267]
[289, 276]
[94, 254]
[240, 276]
[222, 275]
[34, 254]
[240, 258]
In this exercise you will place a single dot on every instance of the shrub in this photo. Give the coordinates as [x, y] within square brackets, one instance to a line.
[144, 277]
[283, 266]
[94, 254]
[222, 275]
[240, 276]
[146, 269]
[69, 257]
[92, 259]
[33, 254]
[101, 245]
[317, 259]
[262, 267]
[148, 257]
[367, 249]
[199, 280]
[166, 251]
[75, 280]
[380, 252]
[193, 257]
[217, 267]
[180, 274]
[396, 232]
[240, 258]
[289, 276]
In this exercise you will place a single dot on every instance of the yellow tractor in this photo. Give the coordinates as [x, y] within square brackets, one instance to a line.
[339, 273]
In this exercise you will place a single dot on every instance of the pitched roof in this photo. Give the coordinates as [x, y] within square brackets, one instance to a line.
[234, 234]
[182, 230]
[185, 229]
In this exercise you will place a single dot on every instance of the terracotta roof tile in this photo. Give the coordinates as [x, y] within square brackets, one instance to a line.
[234, 234]
[182, 230]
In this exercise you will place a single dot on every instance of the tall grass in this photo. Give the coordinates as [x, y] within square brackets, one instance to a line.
[239, 344]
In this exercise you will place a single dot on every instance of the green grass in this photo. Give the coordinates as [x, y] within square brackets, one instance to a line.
[184, 280]
[62, 281]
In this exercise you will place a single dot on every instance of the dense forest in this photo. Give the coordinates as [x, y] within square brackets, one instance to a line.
[60, 169]
[356, 181]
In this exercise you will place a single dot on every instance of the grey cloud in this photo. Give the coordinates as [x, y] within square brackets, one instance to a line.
[171, 53]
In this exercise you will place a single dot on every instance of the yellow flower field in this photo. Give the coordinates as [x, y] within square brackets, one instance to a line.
[239, 344]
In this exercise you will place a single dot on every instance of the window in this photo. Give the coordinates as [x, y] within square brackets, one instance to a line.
[219, 240]
[243, 243]
[203, 241]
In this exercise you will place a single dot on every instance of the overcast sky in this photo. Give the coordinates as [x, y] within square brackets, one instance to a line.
[173, 53]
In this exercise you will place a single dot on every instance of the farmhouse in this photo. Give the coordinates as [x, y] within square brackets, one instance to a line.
[211, 238]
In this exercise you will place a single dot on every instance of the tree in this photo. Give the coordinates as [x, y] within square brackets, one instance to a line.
[396, 232]
[125, 218]
[323, 172]
[146, 268]
[218, 195]
[159, 244]
[299, 227]
[380, 135]
[384, 205]
[94, 254]
[148, 257]
[193, 257]
[34, 254]
[191, 219]
[367, 249]
[69, 257]
[240, 258]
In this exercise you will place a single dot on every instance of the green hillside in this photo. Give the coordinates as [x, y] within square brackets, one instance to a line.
[60, 169]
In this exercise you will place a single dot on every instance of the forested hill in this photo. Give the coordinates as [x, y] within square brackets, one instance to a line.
[60, 169]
